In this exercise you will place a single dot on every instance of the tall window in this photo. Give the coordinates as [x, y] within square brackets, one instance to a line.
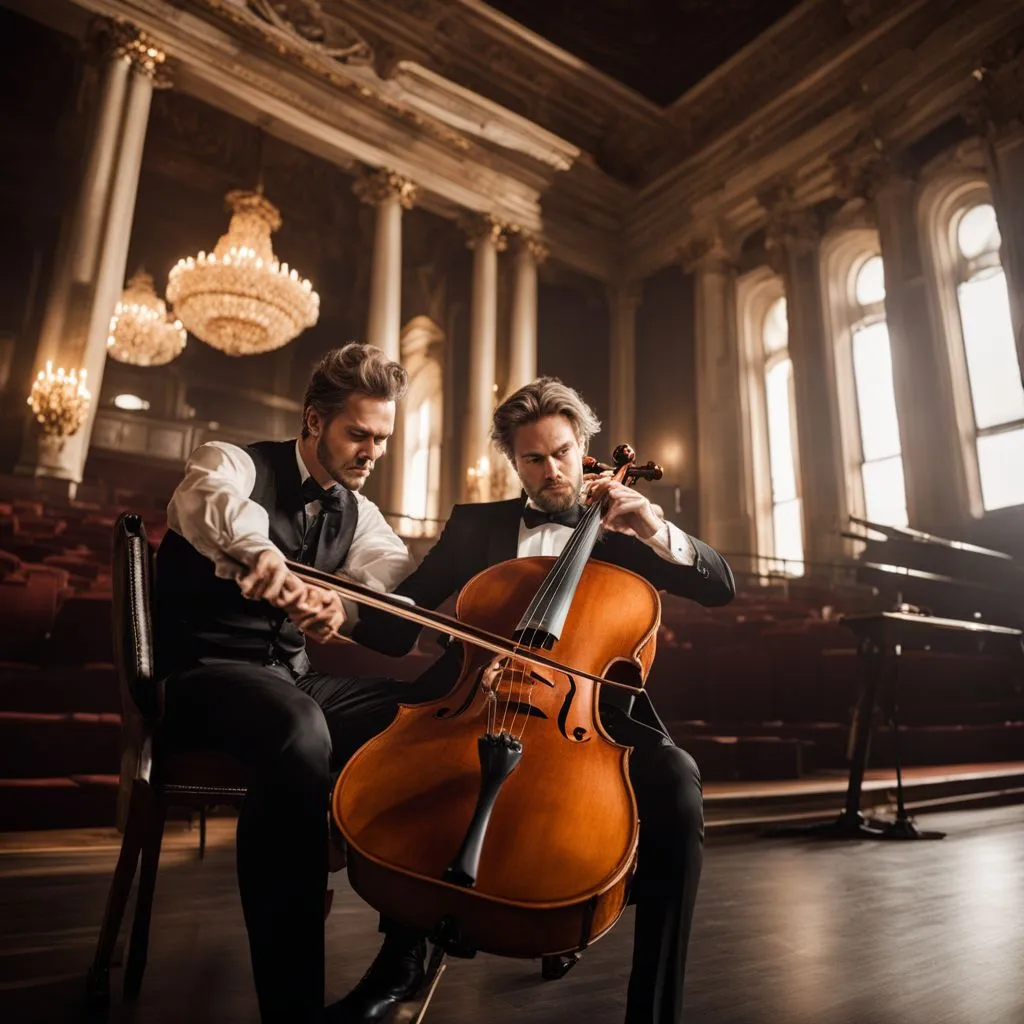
[787, 529]
[993, 370]
[423, 466]
[880, 457]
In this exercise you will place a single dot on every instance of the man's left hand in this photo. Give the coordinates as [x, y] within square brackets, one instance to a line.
[626, 510]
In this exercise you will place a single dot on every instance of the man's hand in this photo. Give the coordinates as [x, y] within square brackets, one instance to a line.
[270, 579]
[318, 613]
[626, 510]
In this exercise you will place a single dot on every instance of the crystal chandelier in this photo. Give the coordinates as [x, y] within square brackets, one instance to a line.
[141, 332]
[59, 400]
[239, 298]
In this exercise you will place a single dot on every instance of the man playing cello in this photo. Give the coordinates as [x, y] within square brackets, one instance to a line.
[544, 429]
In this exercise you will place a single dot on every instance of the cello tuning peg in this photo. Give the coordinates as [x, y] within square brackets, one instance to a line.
[624, 454]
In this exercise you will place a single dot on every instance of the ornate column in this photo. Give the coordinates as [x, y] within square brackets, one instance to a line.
[623, 301]
[999, 113]
[486, 238]
[91, 269]
[390, 194]
[793, 240]
[726, 502]
[528, 254]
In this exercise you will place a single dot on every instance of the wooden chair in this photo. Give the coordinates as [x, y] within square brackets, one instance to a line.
[151, 783]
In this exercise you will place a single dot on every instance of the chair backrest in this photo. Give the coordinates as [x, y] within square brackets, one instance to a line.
[141, 704]
[132, 574]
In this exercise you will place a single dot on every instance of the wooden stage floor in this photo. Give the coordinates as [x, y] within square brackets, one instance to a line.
[786, 932]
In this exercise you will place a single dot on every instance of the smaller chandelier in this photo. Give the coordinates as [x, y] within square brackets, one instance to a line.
[59, 400]
[239, 298]
[141, 332]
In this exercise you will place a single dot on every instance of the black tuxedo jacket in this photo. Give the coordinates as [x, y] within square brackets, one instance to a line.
[478, 536]
[481, 535]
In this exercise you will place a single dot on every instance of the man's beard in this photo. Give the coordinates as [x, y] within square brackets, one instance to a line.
[557, 500]
[349, 477]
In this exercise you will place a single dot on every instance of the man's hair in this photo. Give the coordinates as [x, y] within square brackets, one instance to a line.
[342, 371]
[546, 396]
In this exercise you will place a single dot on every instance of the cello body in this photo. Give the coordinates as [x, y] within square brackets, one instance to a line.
[555, 850]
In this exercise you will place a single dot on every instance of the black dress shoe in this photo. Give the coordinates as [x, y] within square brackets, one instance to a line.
[395, 975]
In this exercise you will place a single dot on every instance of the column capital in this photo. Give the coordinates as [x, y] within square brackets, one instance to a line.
[706, 253]
[625, 295]
[377, 186]
[864, 167]
[523, 242]
[791, 229]
[110, 39]
[480, 227]
[997, 105]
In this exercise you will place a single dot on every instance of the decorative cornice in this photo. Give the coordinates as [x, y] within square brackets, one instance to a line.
[306, 22]
[479, 227]
[375, 187]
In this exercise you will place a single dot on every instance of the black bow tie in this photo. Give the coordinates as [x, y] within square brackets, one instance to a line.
[534, 517]
[329, 497]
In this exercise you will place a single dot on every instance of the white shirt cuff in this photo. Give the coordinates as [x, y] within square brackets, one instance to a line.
[672, 544]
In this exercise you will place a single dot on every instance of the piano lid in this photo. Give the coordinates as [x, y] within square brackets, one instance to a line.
[917, 536]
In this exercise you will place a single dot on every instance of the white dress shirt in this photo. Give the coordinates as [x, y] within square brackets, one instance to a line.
[212, 509]
[669, 542]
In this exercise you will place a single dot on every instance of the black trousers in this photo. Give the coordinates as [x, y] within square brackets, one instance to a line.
[295, 734]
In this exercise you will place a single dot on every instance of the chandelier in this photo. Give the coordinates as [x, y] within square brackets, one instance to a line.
[239, 298]
[59, 400]
[141, 332]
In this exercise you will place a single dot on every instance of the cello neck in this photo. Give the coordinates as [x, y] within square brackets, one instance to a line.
[542, 622]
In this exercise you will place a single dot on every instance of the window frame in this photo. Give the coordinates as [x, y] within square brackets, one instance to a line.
[756, 293]
[943, 202]
[843, 255]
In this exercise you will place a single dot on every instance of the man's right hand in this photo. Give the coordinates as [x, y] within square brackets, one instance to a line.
[270, 579]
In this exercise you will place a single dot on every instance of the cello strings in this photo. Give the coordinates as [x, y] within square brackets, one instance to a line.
[576, 541]
[551, 583]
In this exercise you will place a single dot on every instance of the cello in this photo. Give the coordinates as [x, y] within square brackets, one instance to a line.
[500, 818]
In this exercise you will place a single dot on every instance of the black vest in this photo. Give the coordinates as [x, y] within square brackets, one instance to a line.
[201, 618]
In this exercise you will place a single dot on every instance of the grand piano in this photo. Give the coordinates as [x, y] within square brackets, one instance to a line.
[942, 577]
[945, 596]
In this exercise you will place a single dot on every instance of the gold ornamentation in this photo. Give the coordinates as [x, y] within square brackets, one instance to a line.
[141, 331]
[59, 401]
[481, 226]
[524, 241]
[138, 50]
[239, 298]
[377, 186]
[306, 21]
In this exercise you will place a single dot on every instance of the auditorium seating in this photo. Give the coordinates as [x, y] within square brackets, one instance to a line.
[760, 689]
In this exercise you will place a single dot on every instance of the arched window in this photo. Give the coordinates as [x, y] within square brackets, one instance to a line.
[990, 356]
[771, 456]
[422, 412]
[879, 456]
[780, 424]
[423, 450]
